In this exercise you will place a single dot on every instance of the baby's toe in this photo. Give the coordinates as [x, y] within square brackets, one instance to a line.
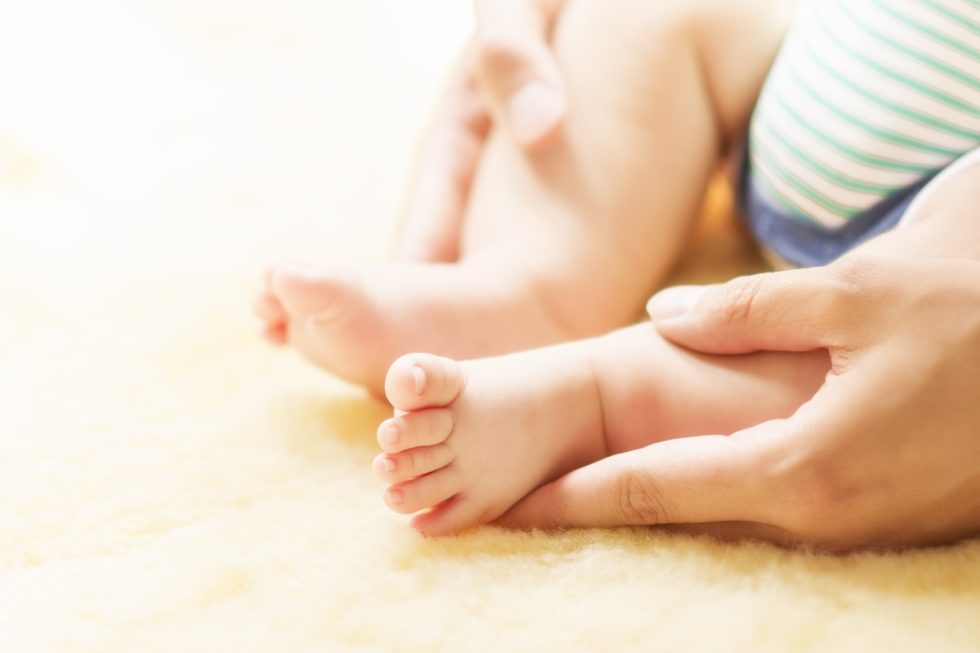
[394, 468]
[270, 311]
[419, 429]
[420, 380]
[425, 491]
[276, 333]
[304, 292]
[268, 308]
[453, 516]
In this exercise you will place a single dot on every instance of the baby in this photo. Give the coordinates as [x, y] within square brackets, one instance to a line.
[864, 105]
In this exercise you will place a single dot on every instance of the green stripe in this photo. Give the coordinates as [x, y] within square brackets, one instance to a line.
[960, 19]
[823, 170]
[846, 150]
[909, 82]
[803, 188]
[897, 109]
[932, 62]
[883, 134]
[932, 33]
[787, 204]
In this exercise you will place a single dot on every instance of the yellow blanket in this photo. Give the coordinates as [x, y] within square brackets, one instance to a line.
[170, 483]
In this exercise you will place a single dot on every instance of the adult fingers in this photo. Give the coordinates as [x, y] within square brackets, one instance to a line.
[795, 310]
[771, 482]
[517, 69]
[689, 480]
[733, 531]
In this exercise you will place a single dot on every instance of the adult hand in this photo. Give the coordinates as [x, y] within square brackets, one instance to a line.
[887, 453]
[507, 76]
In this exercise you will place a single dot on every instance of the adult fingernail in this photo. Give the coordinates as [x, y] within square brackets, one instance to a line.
[674, 301]
[533, 110]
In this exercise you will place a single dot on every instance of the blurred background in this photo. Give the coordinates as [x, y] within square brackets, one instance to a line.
[203, 133]
[171, 483]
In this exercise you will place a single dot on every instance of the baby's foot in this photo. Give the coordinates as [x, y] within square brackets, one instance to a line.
[469, 440]
[356, 323]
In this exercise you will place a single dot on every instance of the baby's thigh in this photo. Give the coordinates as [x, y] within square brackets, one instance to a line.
[738, 42]
[734, 44]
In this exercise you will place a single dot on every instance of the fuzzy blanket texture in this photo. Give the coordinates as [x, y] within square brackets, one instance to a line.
[169, 482]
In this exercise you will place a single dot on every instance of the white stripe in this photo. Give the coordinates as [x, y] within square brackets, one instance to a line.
[855, 37]
[805, 205]
[857, 138]
[840, 95]
[781, 122]
[830, 190]
[784, 86]
[903, 34]
[897, 92]
[927, 16]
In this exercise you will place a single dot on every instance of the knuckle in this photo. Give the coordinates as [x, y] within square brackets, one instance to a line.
[821, 499]
[447, 425]
[428, 494]
[850, 280]
[409, 431]
[421, 429]
[733, 305]
[851, 269]
[412, 459]
[639, 500]
[442, 379]
[439, 456]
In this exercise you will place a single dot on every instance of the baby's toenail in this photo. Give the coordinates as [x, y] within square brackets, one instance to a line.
[381, 464]
[419, 375]
[390, 434]
[395, 496]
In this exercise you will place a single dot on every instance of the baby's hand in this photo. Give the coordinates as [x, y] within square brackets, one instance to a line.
[509, 76]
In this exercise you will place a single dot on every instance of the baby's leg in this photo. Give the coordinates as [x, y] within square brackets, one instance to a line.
[477, 436]
[568, 241]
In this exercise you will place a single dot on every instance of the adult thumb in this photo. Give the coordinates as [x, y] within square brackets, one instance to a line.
[705, 478]
[516, 67]
[795, 310]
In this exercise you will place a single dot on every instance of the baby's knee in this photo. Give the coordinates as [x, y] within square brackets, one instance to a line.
[620, 56]
[624, 28]
[727, 46]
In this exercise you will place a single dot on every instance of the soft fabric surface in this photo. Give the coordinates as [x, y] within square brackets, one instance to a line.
[171, 483]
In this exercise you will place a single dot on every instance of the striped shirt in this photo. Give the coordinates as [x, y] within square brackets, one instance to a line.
[866, 98]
